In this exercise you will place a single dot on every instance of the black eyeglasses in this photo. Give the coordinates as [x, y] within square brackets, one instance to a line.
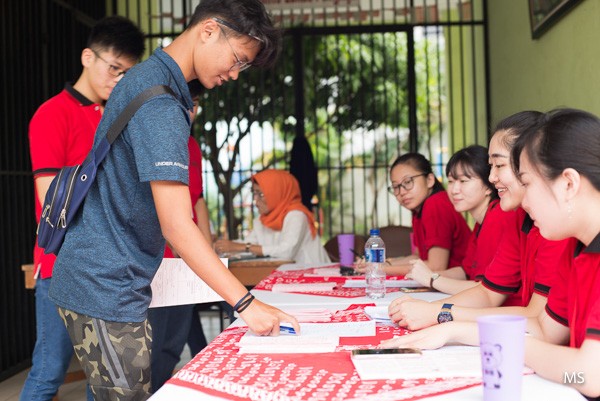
[112, 69]
[407, 184]
[239, 65]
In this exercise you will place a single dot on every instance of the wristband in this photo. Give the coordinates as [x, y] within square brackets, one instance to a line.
[243, 303]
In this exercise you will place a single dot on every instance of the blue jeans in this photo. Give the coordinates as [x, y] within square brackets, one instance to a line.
[170, 329]
[53, 350]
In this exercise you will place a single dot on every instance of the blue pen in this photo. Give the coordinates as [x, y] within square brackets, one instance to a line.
[287, 330]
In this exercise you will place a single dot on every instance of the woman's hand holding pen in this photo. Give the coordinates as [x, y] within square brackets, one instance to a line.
[360, 263]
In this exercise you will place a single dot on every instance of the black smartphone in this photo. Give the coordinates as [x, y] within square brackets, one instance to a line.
[382, 352]
[347, 271]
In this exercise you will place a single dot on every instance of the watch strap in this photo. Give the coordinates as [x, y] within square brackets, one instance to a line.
[433, 277]
[445, 314]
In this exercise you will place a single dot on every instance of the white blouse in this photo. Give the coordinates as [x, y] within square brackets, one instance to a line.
[293, 242]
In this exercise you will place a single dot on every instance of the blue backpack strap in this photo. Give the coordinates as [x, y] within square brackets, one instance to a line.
[123, 119]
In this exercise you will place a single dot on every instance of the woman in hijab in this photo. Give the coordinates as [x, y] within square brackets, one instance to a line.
[285, 228]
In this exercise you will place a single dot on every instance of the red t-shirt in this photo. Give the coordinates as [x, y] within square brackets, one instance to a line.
[195, 180]
[61, 133]
[574, 300]
[483, 242]
[438, 224]
[526, 262]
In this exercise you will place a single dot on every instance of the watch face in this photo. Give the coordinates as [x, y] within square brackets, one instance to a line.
[444, 317]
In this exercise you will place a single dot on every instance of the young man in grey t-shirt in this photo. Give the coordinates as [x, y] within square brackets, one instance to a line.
[114, 247]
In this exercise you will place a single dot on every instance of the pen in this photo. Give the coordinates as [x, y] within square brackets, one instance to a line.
[356, 253]
[287, 330]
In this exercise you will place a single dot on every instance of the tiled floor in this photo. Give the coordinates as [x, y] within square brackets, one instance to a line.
[11, 388]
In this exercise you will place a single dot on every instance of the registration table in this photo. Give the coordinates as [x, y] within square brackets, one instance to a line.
[221, 372]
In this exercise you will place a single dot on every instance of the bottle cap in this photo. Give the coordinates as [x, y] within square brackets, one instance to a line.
[374, 231]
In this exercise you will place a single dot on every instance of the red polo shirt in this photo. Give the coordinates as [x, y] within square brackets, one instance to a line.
[574, 300]
[484, 241]
[438, 224]
[195, 184]
[526, 262]
[61, 133]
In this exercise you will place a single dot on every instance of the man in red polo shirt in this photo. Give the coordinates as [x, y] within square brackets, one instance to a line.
[61, 133]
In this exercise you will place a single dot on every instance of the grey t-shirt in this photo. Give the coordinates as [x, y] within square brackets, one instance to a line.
[114, 247]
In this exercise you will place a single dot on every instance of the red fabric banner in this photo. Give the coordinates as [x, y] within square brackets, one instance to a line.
[221, 371]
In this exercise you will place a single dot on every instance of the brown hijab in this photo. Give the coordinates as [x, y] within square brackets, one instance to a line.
[282, 194]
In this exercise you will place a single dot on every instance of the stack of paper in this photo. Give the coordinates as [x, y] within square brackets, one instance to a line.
[313, 338]
[449, 361]
[303, 287]
[175, 283]
[379, 314]
[361, 283]
[310, 315]
[287, 344]
[325, 272]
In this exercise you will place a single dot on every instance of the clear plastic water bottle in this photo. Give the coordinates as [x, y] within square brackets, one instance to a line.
[375, 257]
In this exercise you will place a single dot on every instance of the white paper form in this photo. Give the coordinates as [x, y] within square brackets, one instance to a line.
[313, 338]
[379, 314]
[449, 361]
[303, 287]
[176, 284]
[361, 283]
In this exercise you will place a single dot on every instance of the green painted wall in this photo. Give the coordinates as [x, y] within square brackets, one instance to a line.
[560, 69]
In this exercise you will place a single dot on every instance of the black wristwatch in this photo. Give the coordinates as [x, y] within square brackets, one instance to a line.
[445, 314]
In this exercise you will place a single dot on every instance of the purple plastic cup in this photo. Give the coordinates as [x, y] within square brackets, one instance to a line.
[345, 247]
[502, 346]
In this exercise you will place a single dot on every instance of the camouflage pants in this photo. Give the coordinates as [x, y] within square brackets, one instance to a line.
[114, 356]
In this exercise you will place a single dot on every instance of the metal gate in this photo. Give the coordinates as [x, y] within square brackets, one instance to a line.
[363, 81]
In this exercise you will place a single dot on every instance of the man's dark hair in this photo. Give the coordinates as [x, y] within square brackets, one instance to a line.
[117, 34]
[248, 17]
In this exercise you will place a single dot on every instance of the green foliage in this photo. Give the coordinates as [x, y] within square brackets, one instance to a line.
[355, 104]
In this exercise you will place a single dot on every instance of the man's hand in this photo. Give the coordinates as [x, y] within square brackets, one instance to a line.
[264, 319]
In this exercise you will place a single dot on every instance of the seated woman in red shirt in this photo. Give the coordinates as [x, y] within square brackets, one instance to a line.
[440, 233]
[524, 267]
[470, 191]
[560, 168]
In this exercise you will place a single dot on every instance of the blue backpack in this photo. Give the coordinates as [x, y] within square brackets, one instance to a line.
[70, 186]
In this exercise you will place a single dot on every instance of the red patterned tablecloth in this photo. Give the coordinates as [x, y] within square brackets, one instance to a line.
[221, 371]
[306, 276]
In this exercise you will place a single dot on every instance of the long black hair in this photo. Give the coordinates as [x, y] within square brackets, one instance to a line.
[568, 138]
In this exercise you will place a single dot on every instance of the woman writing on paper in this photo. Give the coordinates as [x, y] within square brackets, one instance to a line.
[285, 228]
